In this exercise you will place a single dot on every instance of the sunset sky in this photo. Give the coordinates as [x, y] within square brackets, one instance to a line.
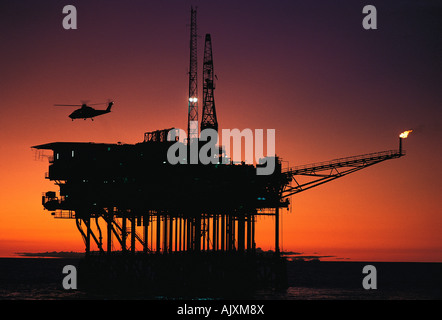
[307, 69]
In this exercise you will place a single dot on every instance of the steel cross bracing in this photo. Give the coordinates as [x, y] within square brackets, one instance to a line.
[323, 172]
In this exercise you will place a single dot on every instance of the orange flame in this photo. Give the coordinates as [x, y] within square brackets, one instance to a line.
[405, 134]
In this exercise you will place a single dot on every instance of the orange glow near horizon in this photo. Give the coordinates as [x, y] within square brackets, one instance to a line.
[328, 87]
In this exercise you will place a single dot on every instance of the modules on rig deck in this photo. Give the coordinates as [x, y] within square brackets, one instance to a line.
[194, 207]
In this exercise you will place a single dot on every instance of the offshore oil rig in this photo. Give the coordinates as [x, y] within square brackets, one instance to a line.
[158, 227]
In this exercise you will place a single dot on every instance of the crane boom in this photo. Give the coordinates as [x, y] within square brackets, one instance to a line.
[323, 172]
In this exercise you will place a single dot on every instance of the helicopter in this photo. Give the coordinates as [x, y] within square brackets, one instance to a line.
[86, 111]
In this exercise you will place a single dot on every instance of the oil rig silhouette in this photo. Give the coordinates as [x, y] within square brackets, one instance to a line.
[153, 226]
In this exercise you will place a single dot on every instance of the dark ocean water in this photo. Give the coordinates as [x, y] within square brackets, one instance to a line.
[41, 279]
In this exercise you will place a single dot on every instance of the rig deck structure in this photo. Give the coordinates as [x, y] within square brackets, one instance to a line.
[154, 231]
[144, 204]
[144, 200]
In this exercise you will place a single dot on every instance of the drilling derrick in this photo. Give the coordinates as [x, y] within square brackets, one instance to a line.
[192, 121]
[209, 113]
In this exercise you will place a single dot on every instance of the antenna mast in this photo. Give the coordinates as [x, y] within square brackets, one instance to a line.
[192, 120]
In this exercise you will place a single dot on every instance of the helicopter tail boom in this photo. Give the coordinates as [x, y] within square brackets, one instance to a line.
[109, 106]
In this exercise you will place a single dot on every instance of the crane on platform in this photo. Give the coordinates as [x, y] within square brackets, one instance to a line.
[323, 172]
[317, 174]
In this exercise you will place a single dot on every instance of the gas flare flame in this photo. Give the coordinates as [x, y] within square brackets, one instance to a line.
[405, 134]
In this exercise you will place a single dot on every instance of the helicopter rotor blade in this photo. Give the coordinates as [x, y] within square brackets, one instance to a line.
[67, 105]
